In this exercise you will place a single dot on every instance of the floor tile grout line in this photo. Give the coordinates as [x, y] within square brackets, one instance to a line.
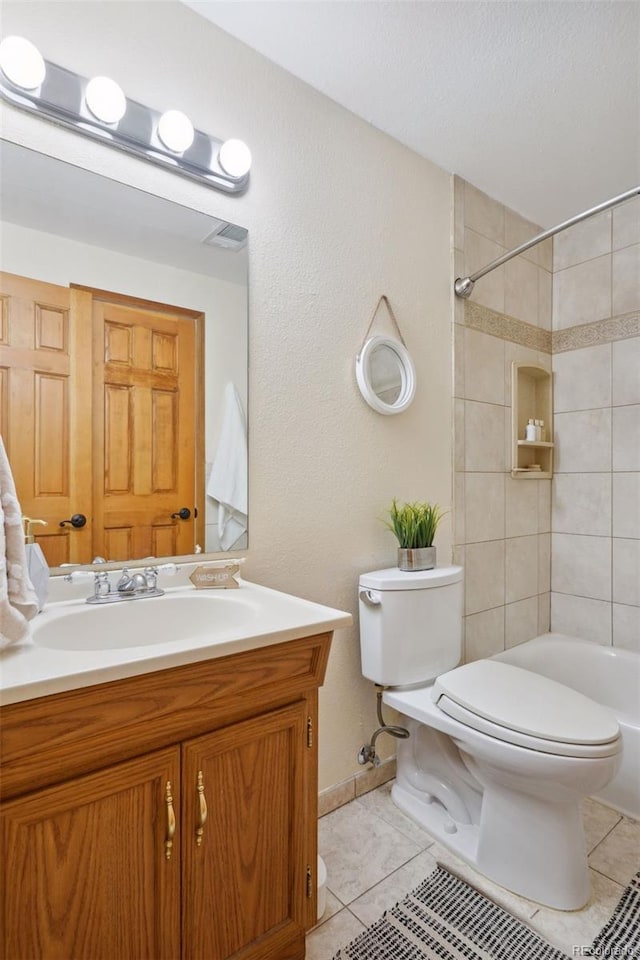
[334, 894]
[610, 879]
[363, 925]
[431, 842]
[538, 913]
[389, 823]
[602, 839]
[366, 807]
[385, 878]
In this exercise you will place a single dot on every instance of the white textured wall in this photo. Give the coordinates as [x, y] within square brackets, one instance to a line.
[338, 214]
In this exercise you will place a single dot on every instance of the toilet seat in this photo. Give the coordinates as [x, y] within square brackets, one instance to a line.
[526, 709]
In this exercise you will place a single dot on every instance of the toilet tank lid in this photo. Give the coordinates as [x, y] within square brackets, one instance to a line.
[395, 579]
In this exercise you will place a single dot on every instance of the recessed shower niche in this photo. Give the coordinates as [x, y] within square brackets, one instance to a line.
[531, 400]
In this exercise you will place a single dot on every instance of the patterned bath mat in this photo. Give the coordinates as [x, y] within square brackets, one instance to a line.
[620, 937]
[446, 919]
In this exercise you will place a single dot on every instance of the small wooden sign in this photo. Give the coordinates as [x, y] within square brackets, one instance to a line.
[215, 578]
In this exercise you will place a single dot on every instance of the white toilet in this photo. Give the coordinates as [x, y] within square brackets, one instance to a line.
[498, 759]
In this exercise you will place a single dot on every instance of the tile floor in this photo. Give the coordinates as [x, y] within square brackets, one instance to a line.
[375, 855]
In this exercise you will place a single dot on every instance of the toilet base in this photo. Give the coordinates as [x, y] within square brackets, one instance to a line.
[559, 880]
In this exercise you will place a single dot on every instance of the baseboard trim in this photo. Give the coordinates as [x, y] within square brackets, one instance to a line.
[340, 793]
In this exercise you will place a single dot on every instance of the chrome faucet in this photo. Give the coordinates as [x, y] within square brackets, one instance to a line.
[132, 583]
[130, 586]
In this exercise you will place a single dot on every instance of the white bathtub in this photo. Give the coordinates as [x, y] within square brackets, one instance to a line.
[607, 675]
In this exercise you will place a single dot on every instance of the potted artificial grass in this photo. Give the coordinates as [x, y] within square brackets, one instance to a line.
[415, 525]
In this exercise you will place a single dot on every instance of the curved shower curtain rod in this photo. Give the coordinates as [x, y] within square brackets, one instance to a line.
[464, 285]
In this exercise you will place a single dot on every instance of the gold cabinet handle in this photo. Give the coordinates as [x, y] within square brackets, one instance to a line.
[171, 822]
[202, 809]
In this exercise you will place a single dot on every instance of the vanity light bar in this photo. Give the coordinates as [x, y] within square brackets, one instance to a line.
[98, 109]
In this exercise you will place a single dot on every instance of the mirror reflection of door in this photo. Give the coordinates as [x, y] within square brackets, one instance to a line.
[108, 382]
[41, 417]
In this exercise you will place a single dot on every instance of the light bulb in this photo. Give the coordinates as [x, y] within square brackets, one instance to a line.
[105, 99]
[235, 158]
[176, 131]
[22, 63]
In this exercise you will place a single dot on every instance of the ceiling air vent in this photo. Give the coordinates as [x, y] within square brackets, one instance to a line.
[227, 235]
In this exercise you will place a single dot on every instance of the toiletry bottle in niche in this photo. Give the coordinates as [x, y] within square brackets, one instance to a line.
[542, 436]
[37, 566]
[530, 433]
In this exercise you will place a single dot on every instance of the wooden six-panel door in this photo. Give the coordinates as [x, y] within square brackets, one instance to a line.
[45, 410]
[144, 431]
[244, 854]
[87, 869]
[98, 414]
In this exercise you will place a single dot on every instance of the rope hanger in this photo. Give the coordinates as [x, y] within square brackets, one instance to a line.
[384, 299]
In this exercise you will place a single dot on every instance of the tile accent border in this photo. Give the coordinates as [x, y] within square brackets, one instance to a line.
[500, 325]
[340, 793]
[623, 327]
[505, 327]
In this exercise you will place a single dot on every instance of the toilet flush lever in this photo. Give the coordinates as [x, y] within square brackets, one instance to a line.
[370, 598]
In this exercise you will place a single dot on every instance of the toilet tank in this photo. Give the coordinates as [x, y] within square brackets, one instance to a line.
[410, 624]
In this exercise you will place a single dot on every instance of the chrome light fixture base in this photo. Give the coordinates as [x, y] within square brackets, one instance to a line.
[61, 99]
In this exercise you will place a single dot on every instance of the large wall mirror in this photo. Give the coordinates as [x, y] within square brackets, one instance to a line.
[123, 365]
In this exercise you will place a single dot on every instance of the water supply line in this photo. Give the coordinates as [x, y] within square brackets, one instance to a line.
[463, 286]
[367, 753]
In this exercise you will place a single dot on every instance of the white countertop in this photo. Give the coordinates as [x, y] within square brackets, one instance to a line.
[262, 617]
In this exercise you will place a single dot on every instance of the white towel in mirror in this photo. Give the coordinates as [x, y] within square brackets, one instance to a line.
[228, 478]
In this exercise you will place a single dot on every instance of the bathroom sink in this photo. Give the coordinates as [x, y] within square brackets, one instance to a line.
[74, 644]
[150, 621]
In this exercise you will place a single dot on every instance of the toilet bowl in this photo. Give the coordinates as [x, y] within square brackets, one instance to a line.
[498, 761]
[512, 809]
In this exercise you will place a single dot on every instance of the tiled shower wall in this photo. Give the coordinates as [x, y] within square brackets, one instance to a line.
[501, 525]
[596, 487]
[578, 303]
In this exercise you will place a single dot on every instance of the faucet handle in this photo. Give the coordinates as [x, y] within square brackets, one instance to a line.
[102, 587]
[78, 575]
[151, 573]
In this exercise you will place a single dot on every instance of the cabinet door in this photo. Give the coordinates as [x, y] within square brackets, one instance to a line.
[88, 875]
[245, 860]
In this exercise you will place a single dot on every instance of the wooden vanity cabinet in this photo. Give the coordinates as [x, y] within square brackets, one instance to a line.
[247, 868]
[84, 873]
[167, 816]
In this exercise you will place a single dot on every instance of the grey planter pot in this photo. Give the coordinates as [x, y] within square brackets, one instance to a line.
[421, 558]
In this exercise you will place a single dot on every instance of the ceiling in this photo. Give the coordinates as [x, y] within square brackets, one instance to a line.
[536, 103]
[42, 193]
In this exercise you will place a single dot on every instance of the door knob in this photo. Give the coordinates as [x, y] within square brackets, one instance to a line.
[182, 514]
[78, 520]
